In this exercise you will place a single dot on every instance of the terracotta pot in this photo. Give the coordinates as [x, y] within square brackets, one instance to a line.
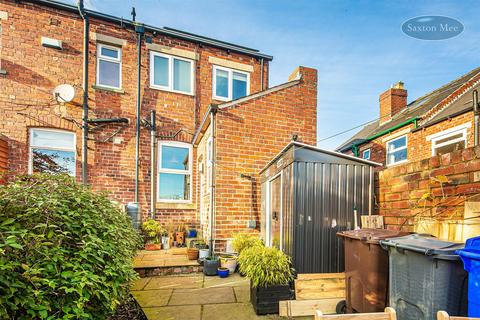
[153, 246]
[180, 238]
[192, 254]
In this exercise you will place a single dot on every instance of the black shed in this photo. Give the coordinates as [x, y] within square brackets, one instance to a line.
[308, 195]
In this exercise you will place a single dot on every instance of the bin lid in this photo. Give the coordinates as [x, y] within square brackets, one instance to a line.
[423, 243]
[371, 235]
[471, 251]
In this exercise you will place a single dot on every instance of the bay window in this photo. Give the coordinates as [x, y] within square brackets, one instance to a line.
[52, 151]
[174, 172]
[397, 150]
[230, 84]
[171, 73]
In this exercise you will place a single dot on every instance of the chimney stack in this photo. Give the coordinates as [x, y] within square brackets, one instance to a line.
[392, 101]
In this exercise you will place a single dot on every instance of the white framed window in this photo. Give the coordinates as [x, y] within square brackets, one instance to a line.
[366, 154]
[109, 66]
[171, 73]
[229, 84]
[209, 162]
[52, 151]
[174, 172]
[397, 150]
[449, 140]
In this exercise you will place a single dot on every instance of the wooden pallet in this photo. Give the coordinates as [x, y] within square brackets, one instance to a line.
[320, 286]
[298, 308]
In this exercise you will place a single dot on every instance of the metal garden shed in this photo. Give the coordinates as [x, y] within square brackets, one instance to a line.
[308, 195]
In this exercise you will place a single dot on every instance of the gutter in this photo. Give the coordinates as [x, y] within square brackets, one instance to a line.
[166, 31]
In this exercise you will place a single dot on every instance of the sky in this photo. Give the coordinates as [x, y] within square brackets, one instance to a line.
[357, 47]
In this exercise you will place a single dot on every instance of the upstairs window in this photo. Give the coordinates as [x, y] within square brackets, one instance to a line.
[171, 73]
[366, 154]
[109, 66]
[449, 140]
[397, 150]
[230, 84]
[52, 151]
[174, 172]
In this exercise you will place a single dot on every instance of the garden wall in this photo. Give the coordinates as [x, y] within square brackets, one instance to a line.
[436, 187]
[3, 158]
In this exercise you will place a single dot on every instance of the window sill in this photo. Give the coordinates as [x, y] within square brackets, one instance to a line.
[97, 87]
[175, 205]
[172, 91]
[396, 163]
[3, 71]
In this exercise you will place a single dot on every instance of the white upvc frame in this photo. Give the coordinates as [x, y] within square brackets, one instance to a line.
[395, 150]
[369, 154]
[209, 162]
[174, 171]
[448, 133]
[170, 58]
[268, 211]
[31, 147]
[230, 82]
[109, 59]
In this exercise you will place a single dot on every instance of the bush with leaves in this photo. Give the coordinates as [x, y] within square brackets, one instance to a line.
[266, 266]
[242, 241]
[65, 251]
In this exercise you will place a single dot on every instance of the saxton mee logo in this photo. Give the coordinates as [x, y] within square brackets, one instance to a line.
[432, 27]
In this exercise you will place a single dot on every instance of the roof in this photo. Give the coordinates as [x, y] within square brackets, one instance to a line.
[450, 95]
[317, 149]
[165, 30]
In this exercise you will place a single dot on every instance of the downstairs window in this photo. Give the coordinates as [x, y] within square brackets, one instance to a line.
[174, 172]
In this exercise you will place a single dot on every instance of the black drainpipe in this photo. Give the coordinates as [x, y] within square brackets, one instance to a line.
[140, 30]
[86, 30]
[475, 114]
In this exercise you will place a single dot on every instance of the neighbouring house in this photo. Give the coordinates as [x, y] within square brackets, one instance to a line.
[437, 123]
[217, 120]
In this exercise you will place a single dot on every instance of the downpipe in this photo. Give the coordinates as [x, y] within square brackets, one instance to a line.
[86, 30]
[475, 117]
[153, 164]
[140, 30]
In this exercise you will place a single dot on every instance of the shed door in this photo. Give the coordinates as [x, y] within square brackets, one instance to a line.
[275, 211]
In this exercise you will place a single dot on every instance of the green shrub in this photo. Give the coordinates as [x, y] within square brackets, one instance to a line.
[243, 240]
[153, 230]
[65, 252]
[266, 266]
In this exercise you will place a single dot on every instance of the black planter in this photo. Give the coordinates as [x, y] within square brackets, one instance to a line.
[210, 267]
[265, 299]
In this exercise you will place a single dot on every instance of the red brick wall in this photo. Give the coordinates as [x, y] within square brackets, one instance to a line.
[248, 136]
[3, 158]
[399, 189]
[33, 71]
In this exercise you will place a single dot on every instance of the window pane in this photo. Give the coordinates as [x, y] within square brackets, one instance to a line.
[174, 186]
[221, 89]
[401, 142]
[175, 158]
[53, 139]
[239, 85]
[109, 73]
[181, 75]
[112, 53]
[397, 156]
[366, 154]
[456, 136]
[160, 71]
[450, 148]
[53, 161]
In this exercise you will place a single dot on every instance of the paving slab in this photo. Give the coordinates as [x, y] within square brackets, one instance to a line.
[242, 293]
[174, 313]
[184, 282]
[233, 311]
[153, 298]
[201, 296]
[139, 284]
[234, 280]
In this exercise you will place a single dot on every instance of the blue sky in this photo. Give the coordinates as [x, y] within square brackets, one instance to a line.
[357, 46]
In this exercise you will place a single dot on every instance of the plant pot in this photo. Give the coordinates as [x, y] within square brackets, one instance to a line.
[165, 242]
[153, 246]
[192, 253]
[171, 239]
[229, 262]
[192, 233]
[180, 238]
[265, 299]
[223, 272]
[210, 266]
[203, 254]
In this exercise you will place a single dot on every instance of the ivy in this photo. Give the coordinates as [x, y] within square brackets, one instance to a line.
[65, 251]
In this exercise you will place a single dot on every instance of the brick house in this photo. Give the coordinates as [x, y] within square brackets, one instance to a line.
[218, 121]
[439, 122]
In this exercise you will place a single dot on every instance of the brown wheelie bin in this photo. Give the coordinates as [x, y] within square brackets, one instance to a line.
[366, 270]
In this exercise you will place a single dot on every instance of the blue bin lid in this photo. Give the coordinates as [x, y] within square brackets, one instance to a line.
[471, 251]
[424, 244]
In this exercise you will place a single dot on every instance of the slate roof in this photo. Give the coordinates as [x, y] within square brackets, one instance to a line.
[421, 106]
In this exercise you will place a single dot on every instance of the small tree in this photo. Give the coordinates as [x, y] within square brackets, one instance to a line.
[65, 251]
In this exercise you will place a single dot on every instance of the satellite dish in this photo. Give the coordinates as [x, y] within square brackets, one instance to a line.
[64, 93]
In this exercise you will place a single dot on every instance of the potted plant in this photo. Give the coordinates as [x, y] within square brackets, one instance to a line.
[229, 262]
[271, 277]
[210, 266]
[192, 253]
[242, 241]
[180, 235]
[152, 230]
[165, 239]
[171, 236]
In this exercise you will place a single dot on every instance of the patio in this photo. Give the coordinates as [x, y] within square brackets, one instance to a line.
[196, 297]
